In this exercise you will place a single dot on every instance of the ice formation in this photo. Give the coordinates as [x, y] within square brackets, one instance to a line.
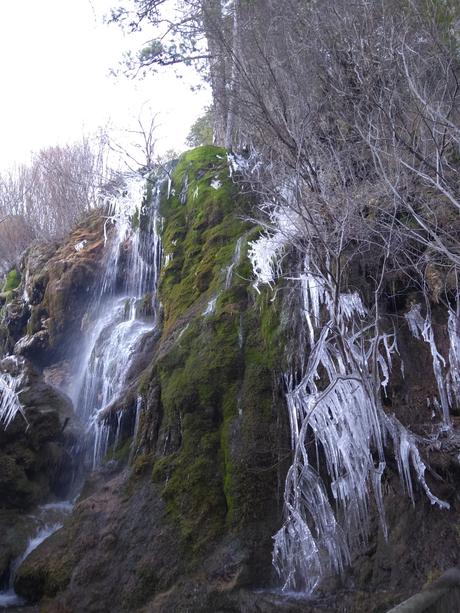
[338, 425]
[211, 306]
[265, 253]
[235, 261]
[10, 405]
[446, 371]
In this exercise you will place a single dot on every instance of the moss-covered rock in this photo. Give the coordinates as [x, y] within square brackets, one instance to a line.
[216, 366]
[208, 431]
[202, 221]
[113, 553]
[12, 281]
[188, 523]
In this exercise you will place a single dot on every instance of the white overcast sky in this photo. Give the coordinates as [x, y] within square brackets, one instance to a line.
[55, 58]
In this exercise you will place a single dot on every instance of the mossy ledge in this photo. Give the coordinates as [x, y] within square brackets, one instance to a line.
[217, 368]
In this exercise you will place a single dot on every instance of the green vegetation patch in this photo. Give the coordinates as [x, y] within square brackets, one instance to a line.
[217, 371]
[12, 281]
[203, 219]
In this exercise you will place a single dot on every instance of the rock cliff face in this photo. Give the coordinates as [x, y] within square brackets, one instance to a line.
[181, 515]
[41, 304]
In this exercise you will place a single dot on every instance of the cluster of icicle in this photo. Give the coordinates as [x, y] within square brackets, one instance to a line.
[10, 404]
[335, 413]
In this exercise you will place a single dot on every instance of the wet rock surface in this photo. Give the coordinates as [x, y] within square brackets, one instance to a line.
[35, 458]
[34, 448]
[122, 521]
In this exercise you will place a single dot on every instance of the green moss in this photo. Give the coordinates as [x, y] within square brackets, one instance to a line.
[193, 493]
[142, 464]
[216, 372]
[200, 234]
[120, 453]
[135, 220]
[12, 281]
[145, 584]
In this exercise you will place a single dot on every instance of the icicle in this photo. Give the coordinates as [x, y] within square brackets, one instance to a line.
[408, 454]
[415, 320]
[265, 253]
[184, 191]
[454, 358]
[211, 306]
[133, 448]
[168, 193]
[423, 328]
[351, 305]
[118, 430]
[10, 405]
[263, 256]
[235, 261]
[101, 432]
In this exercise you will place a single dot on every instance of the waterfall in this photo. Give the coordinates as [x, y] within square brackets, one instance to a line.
[235, 261]
[125, 308]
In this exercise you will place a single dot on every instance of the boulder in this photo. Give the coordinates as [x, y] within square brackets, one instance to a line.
[34, 448]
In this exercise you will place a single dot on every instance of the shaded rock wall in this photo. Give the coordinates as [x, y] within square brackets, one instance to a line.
[36, 462]
[41, 313]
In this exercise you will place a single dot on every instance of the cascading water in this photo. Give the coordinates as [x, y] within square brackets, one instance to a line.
[45, 521]
[124, 311]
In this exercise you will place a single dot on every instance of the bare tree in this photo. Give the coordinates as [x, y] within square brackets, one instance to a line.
[136, 146]
[46, 198]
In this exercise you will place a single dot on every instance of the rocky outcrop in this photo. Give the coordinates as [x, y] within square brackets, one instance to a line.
[43, 315]
[208, 449]
[36, 462]
[123, 522]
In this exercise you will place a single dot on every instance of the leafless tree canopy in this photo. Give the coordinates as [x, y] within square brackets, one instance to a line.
[351, 107]
[44, 199]
[358, 104]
